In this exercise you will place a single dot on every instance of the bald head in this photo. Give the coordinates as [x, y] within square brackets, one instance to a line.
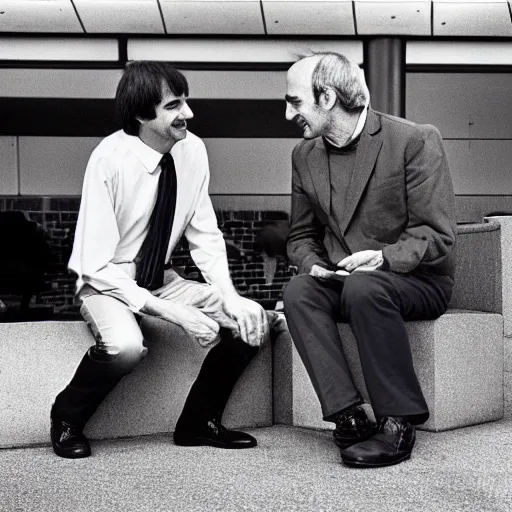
[335, 71]
[299, 77]
[325, 94]
[304, 67]
[300, 102]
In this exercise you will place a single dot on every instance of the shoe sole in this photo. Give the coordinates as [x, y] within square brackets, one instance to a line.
[359, 464]
[66, 455]
[208, 442]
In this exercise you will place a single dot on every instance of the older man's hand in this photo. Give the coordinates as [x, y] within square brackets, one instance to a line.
[251, 318]
[362, 261]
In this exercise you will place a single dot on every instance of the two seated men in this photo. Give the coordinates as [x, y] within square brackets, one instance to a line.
[372, 228]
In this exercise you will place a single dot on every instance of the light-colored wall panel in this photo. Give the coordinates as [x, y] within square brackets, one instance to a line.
[54, 165]
[480, 167]
[59, 83]
[459, 52]
[243, 50]
[462, 105]
[246, 85]
[250, 166]
[102, 83]
[8, 166]
[58, 48]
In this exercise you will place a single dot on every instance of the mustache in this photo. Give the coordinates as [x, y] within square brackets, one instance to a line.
[299, 121]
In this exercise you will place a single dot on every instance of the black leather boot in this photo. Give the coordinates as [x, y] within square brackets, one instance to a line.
[200, 420]
[68, 440]
[96, 375]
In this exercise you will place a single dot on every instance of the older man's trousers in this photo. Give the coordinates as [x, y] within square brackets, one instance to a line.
[376, 304]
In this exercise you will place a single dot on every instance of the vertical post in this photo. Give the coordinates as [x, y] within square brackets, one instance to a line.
[384, 62]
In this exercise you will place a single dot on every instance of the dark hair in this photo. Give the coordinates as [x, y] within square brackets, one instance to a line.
[140, 90]
[344, 76]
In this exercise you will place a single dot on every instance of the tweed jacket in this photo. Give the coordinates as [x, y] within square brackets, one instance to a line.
[400, 200]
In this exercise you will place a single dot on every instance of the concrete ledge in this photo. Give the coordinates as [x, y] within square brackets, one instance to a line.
[458, 359]
[478, 282]
[505, 222]
[39, 359]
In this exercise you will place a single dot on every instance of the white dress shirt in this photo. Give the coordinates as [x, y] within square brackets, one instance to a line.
[118, 196]
[359, 125]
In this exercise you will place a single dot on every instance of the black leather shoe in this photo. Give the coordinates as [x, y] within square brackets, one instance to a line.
[393, 443]
[352, 426]
[68, 441]
[213, 434]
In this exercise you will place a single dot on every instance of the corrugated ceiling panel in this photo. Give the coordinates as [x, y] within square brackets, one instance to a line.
[212, 16]
[38, 16]
[120, 16]
[393, 18]
[305, 17]
[455, 18]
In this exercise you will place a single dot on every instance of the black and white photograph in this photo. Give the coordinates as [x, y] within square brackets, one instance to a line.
[255, 255]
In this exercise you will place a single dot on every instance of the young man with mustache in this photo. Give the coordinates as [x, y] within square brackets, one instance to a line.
[372, 232]
[144, 187]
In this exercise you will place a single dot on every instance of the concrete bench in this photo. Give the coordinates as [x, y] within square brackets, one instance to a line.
[505, 223]
[459, 360]
[458, 357]
[39, 359]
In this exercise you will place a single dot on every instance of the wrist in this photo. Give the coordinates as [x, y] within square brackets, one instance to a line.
[227, 290]
[152, 307]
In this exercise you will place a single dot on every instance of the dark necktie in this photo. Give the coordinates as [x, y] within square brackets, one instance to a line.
[150, 260]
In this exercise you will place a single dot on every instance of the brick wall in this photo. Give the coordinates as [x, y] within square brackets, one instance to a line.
[58, 216]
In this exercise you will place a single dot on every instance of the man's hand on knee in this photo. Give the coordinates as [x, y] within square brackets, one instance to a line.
[251, 317]
[210, 302]
[195, 322]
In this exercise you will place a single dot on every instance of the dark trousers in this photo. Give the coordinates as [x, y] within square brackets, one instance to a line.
[98, 373]
[375, 304]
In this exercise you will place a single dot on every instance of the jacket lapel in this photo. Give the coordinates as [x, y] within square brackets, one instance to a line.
[318, 165]
[367, 152]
